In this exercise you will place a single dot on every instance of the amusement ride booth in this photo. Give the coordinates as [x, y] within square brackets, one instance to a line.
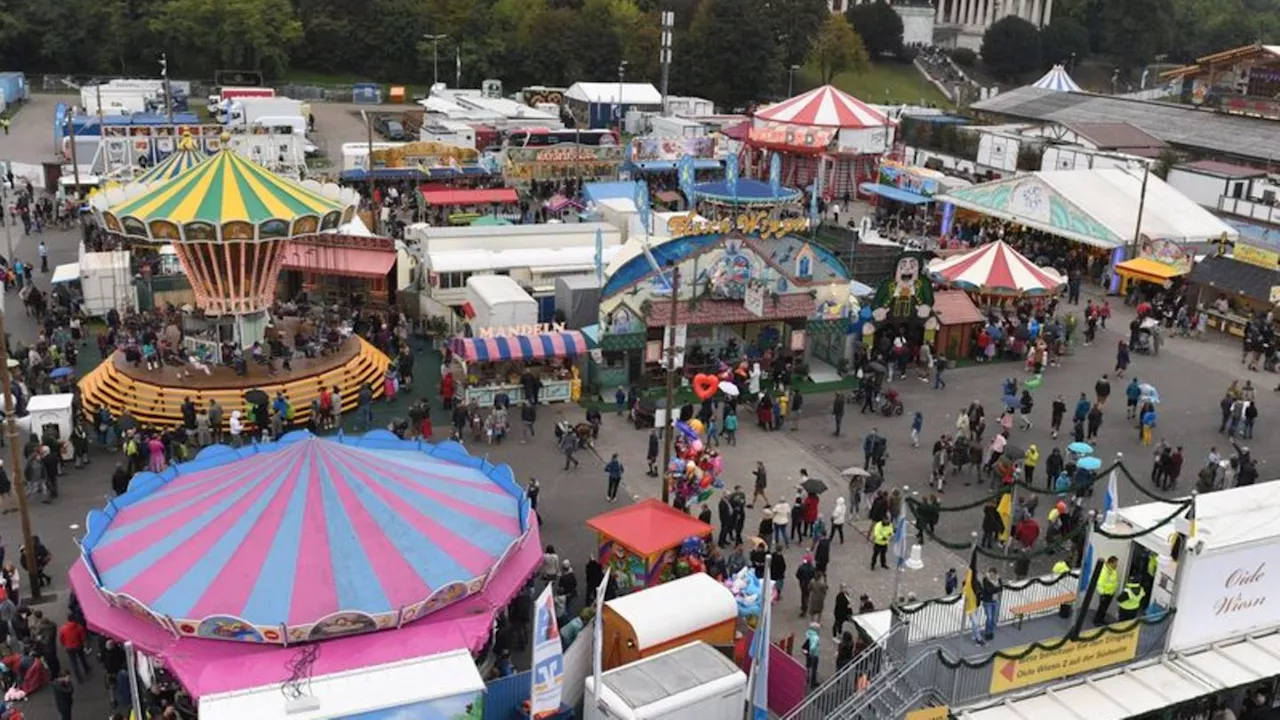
[231, 223]
[823, 135]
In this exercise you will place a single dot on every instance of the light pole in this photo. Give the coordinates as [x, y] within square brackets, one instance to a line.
[664, 57]
[435, 54]
[791, 78]
[164, 75]
[622, 73]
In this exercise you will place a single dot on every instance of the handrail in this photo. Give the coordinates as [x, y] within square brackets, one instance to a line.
[858, 703]
[844, 683]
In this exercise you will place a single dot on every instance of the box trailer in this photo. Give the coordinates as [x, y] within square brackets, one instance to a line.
[499, 301]
[691, 682]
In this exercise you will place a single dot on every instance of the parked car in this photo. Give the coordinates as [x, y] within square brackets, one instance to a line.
[390, 129]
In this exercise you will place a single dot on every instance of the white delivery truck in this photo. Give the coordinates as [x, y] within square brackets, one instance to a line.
[691, 682]
[230, 92]
[102, 280]
[246, 111]
[499, 301]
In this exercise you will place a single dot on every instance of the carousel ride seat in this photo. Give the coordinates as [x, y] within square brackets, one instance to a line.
[155, 398]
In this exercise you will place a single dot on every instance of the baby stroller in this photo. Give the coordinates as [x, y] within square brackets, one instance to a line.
[889, 403]
[1144, 343]
[399, 427]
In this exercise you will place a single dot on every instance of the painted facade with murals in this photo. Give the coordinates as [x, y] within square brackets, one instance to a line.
[739, 297]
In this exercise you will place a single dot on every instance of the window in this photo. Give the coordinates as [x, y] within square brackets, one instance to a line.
[454, 280]
[805, 267]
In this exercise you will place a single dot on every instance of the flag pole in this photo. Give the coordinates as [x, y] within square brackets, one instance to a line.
[967, 617]
[597, 644]
[760, 645]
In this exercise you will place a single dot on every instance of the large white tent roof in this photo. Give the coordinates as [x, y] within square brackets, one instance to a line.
[1058, 80]
[1098, 207]
[607, 92]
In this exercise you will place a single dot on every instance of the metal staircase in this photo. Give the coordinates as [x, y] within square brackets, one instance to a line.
[891, 695]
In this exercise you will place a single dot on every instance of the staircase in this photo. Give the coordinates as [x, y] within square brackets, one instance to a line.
[892, 694]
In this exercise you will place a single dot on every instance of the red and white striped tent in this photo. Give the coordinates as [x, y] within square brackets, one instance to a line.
[996, 269]
[825, 107]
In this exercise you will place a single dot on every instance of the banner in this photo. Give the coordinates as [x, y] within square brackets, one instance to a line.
[814, 192]
[685, 170]
[800, 137]
[1256, 256]
[547, 676]
[731, 174]
[597, 641]
[667, 149]
[921, 181]
[775, 174]
[643, 206]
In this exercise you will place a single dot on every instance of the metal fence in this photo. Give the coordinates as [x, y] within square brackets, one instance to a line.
[505, 695]
[944, 617]
[854, 678]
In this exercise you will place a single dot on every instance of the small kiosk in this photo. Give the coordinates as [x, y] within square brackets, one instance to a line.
[658, 619]
[642, 542]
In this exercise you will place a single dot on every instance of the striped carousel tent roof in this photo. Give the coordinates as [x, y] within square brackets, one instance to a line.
[227, 188]
[1057, 80]
[171, 167]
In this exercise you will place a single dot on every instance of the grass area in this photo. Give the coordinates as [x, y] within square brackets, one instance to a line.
[886, 82]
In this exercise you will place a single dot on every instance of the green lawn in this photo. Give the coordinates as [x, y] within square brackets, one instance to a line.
[883, 82]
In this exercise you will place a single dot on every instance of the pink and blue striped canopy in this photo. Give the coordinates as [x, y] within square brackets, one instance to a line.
[306, 537]
[569, 343]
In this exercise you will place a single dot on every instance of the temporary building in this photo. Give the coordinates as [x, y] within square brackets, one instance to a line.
[1098, 207]
[1058, 80]
[642, 624]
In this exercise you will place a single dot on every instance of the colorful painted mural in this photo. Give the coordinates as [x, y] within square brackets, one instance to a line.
[456, 707]
[1031, 200]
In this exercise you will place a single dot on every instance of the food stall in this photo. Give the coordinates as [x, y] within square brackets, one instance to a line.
[464, 206]
[508, 345]
[580, 162]
[646, 543]
[651, 621]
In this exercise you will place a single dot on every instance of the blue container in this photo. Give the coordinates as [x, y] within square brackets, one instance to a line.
[14, 86]
[366, 93]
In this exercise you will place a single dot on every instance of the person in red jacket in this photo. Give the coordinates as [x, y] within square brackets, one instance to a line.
[72, 636]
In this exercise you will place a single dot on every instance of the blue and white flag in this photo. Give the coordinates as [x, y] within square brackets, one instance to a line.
[775, 174]
[1111, 500]
[685, 170]
[643, 207]
[759, 681]
[547, 677]
[599, 258]
[813, 196]
[731, 174]
[900, 547]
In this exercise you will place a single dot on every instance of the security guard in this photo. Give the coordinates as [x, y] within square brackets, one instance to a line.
[1131, 602]
[881, 535]
[1108, 584]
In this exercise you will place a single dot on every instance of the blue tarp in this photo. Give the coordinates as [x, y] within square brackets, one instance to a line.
[597, 191]
[670, 165]
[892, 193]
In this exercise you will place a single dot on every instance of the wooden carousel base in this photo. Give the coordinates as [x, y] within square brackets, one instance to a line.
[155, 398]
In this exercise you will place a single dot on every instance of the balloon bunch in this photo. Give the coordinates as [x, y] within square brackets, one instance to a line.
[689, 560]
[694, 468]
[746, 589]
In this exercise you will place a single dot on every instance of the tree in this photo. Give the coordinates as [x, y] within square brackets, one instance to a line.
[1062, 40]
[1011, 47]
[879, 26]
[208, 35]
[731, 53]
[796, 25]
[837, 48]
[1137, 30]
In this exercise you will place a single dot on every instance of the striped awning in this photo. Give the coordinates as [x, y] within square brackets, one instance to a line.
[521, 347]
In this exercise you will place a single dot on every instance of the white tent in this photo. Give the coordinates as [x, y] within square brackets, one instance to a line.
[1057, 80]
[607, 92]
[1098, 206]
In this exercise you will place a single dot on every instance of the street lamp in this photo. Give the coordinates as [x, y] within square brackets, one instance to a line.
[435, 54]
[622, 73]
[791, 78]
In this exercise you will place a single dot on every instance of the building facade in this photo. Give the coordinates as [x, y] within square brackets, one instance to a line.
[970, 17]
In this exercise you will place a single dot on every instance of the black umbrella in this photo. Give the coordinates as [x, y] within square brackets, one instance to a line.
[814, 486]
[1013, 452]
[877, 367]
[256, 397]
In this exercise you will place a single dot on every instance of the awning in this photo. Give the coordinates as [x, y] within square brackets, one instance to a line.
[1146, 269]
[482, 196]
[669, 196]
[521, 347]
[344, 261]
[1231, 276]
[890, 192]
[66, 273]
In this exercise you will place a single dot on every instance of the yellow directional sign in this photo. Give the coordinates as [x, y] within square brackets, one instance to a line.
[932, 713]
[1090, 652]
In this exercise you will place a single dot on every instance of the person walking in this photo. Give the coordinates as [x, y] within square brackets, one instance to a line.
[762, 482]
[1059, 411]
[1029, 462]
[939, 364]
[797, 404]
[812, 643]
[778, 569]
[991, 590]
[881, 534]
[817, 596]
[528, 416]
[569, 446]
[1101, 390]
[724, 509]
[1108, 585]
[731, 429]
[1025, 405]
[843, 610]
[652, 454]
[614, 472]
[839, 514]
[63, 691]
[366, 406]
[72, 636]
[804, 580]
[837, 412]
[781, 524]
[1132, 392]
[917, 424]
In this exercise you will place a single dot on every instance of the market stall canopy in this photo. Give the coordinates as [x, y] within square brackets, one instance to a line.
[306, 538]
[479, 196]
[1058, 80]
[569, 343]
[998, 269]
[227, 197]
[69, 272]
[825, 106]
[749, 192]
[649, 526]
[890, 192]
[1149, 270]
[1234, 277]
[1098, 207]
[618, 190]
[955, 307]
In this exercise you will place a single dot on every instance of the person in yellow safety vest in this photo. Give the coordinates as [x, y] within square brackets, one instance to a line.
[1108, 584]
[1131, 602]
[1061, 568]
[1153, 563]
[881, 536]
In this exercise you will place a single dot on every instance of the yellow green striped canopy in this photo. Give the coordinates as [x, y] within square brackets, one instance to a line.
[227, 196]
[173, 166]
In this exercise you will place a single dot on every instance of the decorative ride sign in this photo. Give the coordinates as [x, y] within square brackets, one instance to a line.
[1226, 594]
[753, 223]
[520, 330]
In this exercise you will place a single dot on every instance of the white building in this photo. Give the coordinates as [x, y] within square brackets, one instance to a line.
[473, 106]
[970, 17]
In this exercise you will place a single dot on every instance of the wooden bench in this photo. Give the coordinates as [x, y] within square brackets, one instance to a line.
[1025, 609]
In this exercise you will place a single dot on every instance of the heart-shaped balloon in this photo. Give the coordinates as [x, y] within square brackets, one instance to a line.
[705, 386]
